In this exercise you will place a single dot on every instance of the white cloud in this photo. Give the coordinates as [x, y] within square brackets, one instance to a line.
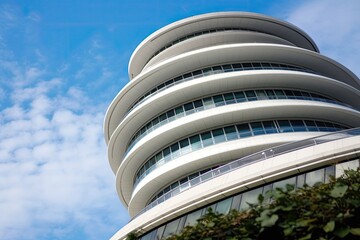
[334, 26]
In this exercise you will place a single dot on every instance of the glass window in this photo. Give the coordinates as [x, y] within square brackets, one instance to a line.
[257, 128]
[217, 69]
[207, 71]
[175, 152]
[244, 130]
[231, 133]
[298, 125]
[174, 185]
[218, 100]
[185, 146]
[171, 228]
[223, 206]
[179, 78]
[261, 94]
[283, 183]
[195, 142]
[218, 135]
[311, 126]
[280, 94]
[266, 65]
[149, 125]
[152, 161]
[297, 93]
[160, 232]
[249, 197]
[179, 110]
[314, 177]
[206, 139]
[321, 126]
[198, 104]
[189, 106]
[236, 202]
[170, 82]
[192, 217]
[289, 93]
[170, 113]
[197, 73]
[300, 180]
[167, 153]
[269, 127]
[162, 117]
[158, 156]
[257, 65]
[208, 103]
[187, 76]
[227, 68]
[240, 97]
[247, 66]
[237, 66]
[284, 126]
[251, 96]
[229, 98]
[155, 121]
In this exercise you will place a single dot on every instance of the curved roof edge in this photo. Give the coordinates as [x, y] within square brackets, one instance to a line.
[147, 45]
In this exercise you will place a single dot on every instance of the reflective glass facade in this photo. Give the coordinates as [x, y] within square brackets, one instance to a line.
[221, 100]
[230, 133]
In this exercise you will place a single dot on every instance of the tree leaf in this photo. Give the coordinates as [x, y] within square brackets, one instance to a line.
[342, 232]
[269, 221]
[339, 190]
[355, 231]
[329, 227]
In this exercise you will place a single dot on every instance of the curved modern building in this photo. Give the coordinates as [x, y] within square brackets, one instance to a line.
[221, 107]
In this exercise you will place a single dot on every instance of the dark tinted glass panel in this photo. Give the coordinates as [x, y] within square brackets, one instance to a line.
[240, 97]
[284, 126]
[179, 110]
[217, 69]
[280, 94]
[170, 113]
[188, 106]
[257, 128]
[230, 133]
[218, 98]
[247, 65]
[195, 142]
[227, 68]
[250, 95]
[311, 126]
[206, 139]
[237, 66]
[229, 98]
[197, 73]
[187, 75]
[198, 103]
[244, 130]
[269, 127]
[207, 71]
[298, 125]
[218, 135]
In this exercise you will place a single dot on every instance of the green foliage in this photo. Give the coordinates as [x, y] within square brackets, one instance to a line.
[325, 211]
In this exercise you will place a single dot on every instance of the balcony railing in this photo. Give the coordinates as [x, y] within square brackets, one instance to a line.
[253, 158]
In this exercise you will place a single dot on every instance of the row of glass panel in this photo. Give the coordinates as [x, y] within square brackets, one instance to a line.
[220, 100]
[215, 70]
[180, 182]
[230, 133]
[198, 34]
[238, 202]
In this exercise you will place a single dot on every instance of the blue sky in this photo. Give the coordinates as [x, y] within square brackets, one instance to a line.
[61, 64]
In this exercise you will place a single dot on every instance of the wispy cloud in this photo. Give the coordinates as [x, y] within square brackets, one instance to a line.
[54, 176]
[334, 27]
